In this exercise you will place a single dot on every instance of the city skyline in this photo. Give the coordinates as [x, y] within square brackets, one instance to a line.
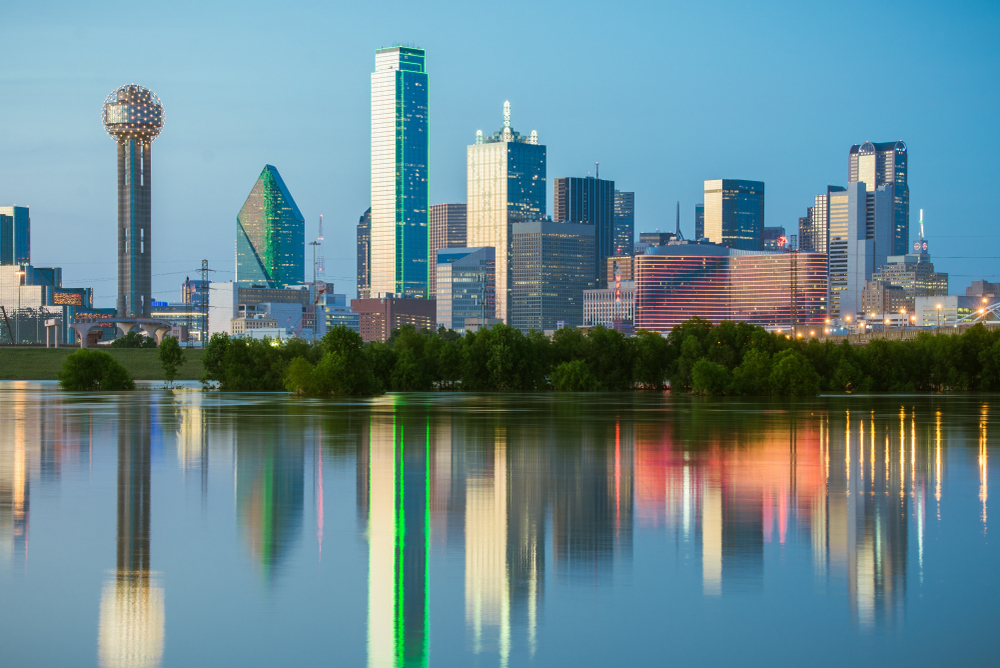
[755, 142]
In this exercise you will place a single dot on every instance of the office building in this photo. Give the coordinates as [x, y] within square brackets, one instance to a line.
[621, 268]
[447, 230]
[333, 310]
[505, 185]
[365, 254]
[814, 228]
[656, 238]
[624, 222]
[775, 290]
[734, 213]
[399, 240]
[881, 298]
[15, 235]
[32, 295]
[589, 201]
[983, 289]
[133, 115]
[946, 311]
[379, 316]
[774, 238]
[550, 267]
[699, 222]
[914, 274]
[228, 300]
[466, 286]
[878, 164]
[270, 235]
[612, 307]
[860, 239]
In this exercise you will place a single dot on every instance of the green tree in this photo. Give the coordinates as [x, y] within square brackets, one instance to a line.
[573, 376]
[710, 378]
[610, 357]
[792, 375]
[652, 360]
[133, 339]
[171, 358]
[88, 369]
[752, 376]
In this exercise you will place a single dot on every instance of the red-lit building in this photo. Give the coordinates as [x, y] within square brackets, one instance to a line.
[776, 290]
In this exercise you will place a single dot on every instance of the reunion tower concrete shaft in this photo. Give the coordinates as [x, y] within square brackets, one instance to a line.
[133, 115]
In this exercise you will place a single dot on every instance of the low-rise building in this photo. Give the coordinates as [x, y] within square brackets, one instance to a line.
[378, 317]
[612, 307]
[945, 311]
[881, 297]
[242, 325]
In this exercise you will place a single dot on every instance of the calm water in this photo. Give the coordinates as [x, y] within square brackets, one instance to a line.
[200, 529]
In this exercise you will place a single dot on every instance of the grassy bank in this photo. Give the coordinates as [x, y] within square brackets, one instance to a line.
[44, 363]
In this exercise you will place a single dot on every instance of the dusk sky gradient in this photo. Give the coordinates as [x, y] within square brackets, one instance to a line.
[663, 94]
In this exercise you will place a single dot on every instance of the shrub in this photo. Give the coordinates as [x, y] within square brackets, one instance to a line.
[88, 369]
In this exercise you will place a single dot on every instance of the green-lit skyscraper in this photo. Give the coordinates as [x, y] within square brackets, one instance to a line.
[399, 227]
[270, 235]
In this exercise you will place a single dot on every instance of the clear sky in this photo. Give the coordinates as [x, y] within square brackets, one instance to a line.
[663, 94]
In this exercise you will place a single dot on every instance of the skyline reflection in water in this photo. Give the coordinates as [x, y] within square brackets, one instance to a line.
[459, 529]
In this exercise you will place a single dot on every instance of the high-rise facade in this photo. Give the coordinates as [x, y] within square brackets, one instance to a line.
[505, 185]
[589, 201]
[734, 213]
[447, 230]
[365, 254]
[814, 228]
[860, 241]
[878, 164]
[624, 222]
[678, 282]
[15, 235]
[774, 238]
[551, 266]
[466, 286]
[270, 235]
[699, 221]
[399, 234]
[133, 115]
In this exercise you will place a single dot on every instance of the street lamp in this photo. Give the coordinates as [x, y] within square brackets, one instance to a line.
[939, 315]
[17, 317]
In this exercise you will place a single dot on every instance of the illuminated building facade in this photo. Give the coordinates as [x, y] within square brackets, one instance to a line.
[776, 290]
[624, 222]
[551, 265]
[466, 285]
[133, 115]
[505, 185]
[15, 235]
[734, 213]
[612, 307]
[270, 235]
[365, 254]
[399, 239]
[589, 201]
[814, 227]
[774, 238]
[447, 230]
[878, 164]
[860, 239]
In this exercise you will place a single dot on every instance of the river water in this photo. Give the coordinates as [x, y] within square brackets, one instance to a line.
[191, 528]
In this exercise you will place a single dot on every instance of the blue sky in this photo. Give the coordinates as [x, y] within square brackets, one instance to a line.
[664, 95]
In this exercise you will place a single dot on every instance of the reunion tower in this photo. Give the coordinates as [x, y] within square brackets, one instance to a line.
[133, 115]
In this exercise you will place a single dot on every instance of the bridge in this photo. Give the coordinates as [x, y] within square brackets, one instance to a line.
[152, 327]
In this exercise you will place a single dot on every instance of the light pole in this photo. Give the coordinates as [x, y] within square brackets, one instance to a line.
[939, 315]
[315, 288]
[17, 316]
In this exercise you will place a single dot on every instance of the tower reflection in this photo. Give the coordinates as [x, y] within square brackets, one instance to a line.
[132, 611]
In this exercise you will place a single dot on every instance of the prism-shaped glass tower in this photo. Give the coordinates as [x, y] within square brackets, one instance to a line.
[270, 235]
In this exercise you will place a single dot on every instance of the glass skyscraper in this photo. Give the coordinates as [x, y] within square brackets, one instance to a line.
[466, 286]
[447, 230]
[505, 185]
[624, 223]
[15, 235]
[879, 164]
[734, 213]
[699, 222]
[270, 235]
[365, 254]
[399, 235]
[590, 201]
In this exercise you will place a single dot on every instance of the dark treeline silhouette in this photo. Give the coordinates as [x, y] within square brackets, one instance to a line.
[696, 357]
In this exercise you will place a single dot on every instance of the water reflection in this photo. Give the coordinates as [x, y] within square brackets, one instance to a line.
[132, 611]
[528, 499]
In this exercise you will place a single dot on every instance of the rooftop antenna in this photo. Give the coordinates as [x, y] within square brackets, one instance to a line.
[677, 230]
[921, 224]
[597, 169]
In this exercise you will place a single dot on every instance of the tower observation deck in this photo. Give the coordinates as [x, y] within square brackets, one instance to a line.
[133, 115]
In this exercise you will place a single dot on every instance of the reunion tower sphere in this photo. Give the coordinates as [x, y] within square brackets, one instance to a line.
[133, 112]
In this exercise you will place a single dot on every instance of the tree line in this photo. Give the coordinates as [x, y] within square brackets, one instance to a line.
[697, 357]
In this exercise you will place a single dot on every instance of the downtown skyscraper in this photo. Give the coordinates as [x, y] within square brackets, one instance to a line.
[590, 201]
[734, 213]
[270, 235]
[624, 222]
[878, 164]
[399, 221]
[505, 185]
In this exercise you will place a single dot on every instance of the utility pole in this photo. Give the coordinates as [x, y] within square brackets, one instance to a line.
[794, 310]
[204, 302]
